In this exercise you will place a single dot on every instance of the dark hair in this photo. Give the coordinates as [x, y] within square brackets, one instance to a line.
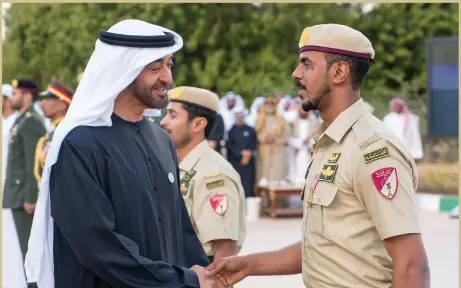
[34, 96]
[358, 67]
[194, 111]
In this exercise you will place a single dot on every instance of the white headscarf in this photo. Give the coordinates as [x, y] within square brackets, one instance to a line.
[251, 119]
[110, 70]
[230, 96]
[280, 107]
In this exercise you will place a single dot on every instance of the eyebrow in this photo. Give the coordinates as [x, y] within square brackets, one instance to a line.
[171, 110]
[305, 59]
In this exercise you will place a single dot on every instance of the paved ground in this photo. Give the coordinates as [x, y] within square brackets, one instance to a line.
[440, 239]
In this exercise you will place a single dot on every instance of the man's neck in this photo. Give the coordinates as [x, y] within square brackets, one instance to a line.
[24, 108]
[57, 118]
[186, 149]
[128, 108]
[330, 113]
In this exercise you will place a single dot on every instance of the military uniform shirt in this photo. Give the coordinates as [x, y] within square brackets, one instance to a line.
[20, 184]
[42, 150]
[360, 189]
[214, 197]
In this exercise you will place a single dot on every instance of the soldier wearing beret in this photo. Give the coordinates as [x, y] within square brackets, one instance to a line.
[211, 187]
[54, 102]
[21, 189]
[360, 225]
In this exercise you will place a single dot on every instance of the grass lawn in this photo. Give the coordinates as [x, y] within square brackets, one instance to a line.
[438, 178]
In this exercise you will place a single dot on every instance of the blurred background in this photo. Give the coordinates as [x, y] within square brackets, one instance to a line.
[245, 51]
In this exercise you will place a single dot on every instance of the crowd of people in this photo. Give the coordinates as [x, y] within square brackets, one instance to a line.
[271, 142]
[101, 191]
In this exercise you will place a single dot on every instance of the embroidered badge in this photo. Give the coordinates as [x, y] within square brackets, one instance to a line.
[328, 172]
[334, 157]
[386, 181]
[215, 184]
[219, 204]
[310, 197]
[184, 183]
[176, 92]
[304, 37]
[213, 174]
[376, 154]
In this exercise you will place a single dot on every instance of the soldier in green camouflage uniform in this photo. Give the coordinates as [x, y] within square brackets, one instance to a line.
[21, 187]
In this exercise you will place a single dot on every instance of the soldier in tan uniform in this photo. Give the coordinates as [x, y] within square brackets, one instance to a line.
[360, 224]
[210, 186]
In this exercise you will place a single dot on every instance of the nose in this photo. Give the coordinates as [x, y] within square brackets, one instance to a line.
[163, 121]
[296, 75]
[165, 75]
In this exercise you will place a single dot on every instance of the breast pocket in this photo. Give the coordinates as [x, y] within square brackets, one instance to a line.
[324, 210]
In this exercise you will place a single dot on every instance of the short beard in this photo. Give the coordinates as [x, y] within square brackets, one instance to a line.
[144, 94]
[16, 106]
[322, 93]
[185, 139]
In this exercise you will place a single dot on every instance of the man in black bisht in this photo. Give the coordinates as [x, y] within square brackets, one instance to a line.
[110, 213]
[241, 150]
[217, 134]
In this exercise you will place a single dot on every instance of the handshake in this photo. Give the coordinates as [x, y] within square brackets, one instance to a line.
[223, 273]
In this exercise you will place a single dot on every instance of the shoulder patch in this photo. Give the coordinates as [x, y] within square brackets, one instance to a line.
[386, 181]
[376, 154]
[213, 174]
[215, 184]
[219, 204]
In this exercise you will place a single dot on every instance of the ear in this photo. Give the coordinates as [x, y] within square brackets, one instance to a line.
[339, 72]
[199, 124]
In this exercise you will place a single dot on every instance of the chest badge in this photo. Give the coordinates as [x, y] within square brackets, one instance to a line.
[185, 180]
[334, 158]
[313, 186]
[171, 177]
[328, 172]
[246, 134]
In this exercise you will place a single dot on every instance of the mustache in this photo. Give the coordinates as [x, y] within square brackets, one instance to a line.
[160, 85]
[166, 129]
[300, 85]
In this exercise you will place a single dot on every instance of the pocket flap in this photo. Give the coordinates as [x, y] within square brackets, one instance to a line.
[325, 193]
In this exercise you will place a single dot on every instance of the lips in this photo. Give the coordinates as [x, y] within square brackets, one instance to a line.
[160, 90]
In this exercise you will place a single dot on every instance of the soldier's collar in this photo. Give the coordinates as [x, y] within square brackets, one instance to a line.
[345, 120]
[193, 156]
[57, 121]
[28, 112]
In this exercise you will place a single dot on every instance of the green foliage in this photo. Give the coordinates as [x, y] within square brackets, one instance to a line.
[249, 49]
